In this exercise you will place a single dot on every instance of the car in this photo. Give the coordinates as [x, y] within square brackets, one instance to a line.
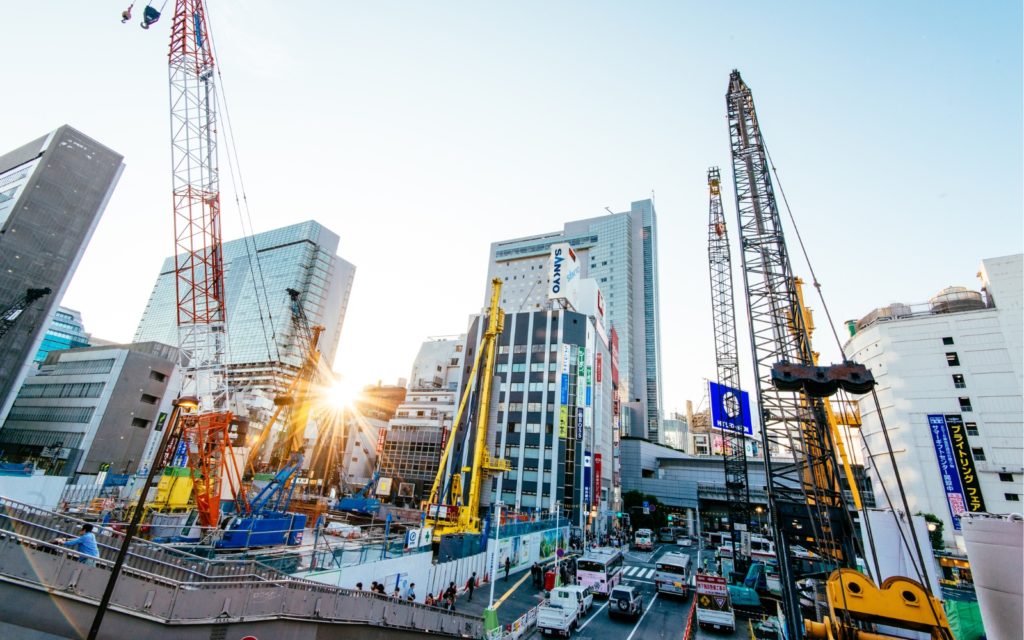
[625, 601]
[684, 541]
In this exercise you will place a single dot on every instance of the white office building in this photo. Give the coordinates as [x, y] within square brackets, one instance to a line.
[950, 375]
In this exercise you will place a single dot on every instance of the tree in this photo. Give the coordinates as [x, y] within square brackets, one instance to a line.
[935, 527]
[634, 503]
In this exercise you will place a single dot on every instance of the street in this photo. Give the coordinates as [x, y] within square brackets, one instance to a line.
[664, 616]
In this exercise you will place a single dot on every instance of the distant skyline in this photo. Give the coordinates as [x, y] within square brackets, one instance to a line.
[421, 133]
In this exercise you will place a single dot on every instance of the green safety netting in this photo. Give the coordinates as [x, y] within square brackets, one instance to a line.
[964, 619]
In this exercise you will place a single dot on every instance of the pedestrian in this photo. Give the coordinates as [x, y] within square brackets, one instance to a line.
[395, 595]
[508, 565]
[359, 586]
[470, 585]
[535, 573]
[449, 595]
[410, 593]
[429, 600]
[373, 587]
[380, 588]
[85, 544]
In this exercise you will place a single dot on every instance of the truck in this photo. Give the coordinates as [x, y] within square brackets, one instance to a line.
[560, 614]
[714, 607]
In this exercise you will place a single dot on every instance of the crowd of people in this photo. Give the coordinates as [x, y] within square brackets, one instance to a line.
[444, 599]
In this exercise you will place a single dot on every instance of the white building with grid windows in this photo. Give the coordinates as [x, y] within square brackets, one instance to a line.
[950, 375]
[619, 252]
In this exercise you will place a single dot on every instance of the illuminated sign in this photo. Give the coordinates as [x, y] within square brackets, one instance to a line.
[730, 409]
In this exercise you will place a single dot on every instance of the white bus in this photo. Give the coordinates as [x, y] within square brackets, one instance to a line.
[643, 540]
[600, 569]
[672, 574]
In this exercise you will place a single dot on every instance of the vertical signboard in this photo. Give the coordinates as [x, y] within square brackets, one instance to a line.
[563, 274]
[563, 422]
[579, 423]
[566, 358]
[597, 478]
[586, 479]
[597, 368]
[965, 463]
[947, 468]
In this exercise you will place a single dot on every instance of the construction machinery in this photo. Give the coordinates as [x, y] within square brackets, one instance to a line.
[808, 509]
[11, 314]
[362, 502]
[446, 507]
[734, 451]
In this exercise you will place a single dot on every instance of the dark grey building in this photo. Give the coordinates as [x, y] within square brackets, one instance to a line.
[52, 193]
[87, 410]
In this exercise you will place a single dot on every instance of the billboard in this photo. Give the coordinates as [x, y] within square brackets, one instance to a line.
[965, 463]
[730, 409]
[563, 421]
[947, 468]
[586, 479]
[563, 274]
[597, 478]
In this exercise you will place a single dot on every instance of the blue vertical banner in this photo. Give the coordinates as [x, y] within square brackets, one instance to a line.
[565, 389]
[947, 468]
[586, 479]
[730, 409]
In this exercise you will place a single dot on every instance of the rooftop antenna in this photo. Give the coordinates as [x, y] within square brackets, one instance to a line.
[608, 209]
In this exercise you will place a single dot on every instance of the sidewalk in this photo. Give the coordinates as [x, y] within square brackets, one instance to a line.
[512, 598]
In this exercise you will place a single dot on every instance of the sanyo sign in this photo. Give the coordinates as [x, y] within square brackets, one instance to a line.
[564, 274]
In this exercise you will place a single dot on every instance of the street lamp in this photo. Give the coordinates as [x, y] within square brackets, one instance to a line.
[182, 404]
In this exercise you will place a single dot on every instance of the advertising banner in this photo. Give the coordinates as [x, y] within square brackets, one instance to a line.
[579, 423]
[965, 463]
[947, 468]
[566, 358]
[597, 477]
[565, 389]
[598, 368]
[586, 479]
[563, 421]
[564, 274]
[730, 409]
[712, 592]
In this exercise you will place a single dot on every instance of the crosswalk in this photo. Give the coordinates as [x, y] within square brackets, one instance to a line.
[639, 573]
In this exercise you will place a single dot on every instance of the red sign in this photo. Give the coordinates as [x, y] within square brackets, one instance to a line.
[614, 340]
[597, 476]
[598, 367]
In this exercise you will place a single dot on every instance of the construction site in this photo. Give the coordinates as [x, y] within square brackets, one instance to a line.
[242, 519]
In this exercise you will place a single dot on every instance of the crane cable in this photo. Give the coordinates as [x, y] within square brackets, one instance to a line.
[903, 497]
[248, 239]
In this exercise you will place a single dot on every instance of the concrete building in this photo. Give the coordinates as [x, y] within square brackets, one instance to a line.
[363, 432]
[410, 446]
[66, 331]
[619, 251]
[551, 416]
[93, 409]
[950, 376]
[264, 352]
[53, 191]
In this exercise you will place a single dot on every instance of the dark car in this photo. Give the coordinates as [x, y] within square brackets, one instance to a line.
[625, 601]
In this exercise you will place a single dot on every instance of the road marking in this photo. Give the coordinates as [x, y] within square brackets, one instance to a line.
[638, 580]
[582, 626]
[630, 636]
[512, 590]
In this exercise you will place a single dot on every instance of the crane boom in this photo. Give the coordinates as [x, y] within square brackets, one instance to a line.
[11, 314]
[734, 453]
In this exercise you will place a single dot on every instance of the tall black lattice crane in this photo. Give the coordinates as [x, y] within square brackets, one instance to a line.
[724, 315]
[807, 505]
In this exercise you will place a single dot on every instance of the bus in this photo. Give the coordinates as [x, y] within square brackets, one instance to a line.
[643, 540]
[672, 574]
[600, 569]
[670, 534]
[761, 549]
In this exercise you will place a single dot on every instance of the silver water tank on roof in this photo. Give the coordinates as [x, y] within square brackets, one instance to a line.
[953, 299]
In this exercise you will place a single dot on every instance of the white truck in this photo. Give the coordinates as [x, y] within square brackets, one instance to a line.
[714, 608]
[560, 614]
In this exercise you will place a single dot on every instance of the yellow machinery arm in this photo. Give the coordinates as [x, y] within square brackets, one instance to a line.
[483, 465]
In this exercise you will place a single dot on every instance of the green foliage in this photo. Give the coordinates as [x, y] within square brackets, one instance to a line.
[634, 502]
[935, 527]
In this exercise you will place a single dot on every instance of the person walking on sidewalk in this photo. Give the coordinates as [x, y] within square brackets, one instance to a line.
[470, 585]
[508, 565]
[449, 596]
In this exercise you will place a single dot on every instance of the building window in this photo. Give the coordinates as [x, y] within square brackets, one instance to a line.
[503, 349]
[972, 428]
[140, 423]
[952, 359]
[1012, 497]
[156, 375]
[965, 404]
[958, 381]
[148, 399]
[979, 453]
[1006, 477]
[947, 340]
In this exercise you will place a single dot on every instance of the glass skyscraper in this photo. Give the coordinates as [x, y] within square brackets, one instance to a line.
[66, 331]
[620, 252]
[264, 351]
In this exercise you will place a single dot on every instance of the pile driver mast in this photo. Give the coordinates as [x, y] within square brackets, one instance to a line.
[723, 312]
[463, 516]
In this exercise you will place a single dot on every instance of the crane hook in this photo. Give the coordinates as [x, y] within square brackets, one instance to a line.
[126, 15]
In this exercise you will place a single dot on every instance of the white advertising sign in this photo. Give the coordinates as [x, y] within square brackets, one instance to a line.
[564, 274]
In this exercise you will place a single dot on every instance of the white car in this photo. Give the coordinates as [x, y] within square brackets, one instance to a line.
[684, 541]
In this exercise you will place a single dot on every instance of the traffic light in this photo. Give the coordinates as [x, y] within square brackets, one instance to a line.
[618, 514]
[670, 518]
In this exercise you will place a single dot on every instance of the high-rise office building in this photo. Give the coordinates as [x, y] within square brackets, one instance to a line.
[949, 374]
[264, 352]
[66, 331]
[619, 251]
[53, 191]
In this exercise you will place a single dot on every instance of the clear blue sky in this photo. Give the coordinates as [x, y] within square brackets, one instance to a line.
[422, 131]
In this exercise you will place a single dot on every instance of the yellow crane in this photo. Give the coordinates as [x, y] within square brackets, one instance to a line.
[463, 516]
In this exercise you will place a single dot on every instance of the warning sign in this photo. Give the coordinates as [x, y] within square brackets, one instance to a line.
[712, 592]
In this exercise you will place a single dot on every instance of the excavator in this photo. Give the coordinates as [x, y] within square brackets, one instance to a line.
[459, 515]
